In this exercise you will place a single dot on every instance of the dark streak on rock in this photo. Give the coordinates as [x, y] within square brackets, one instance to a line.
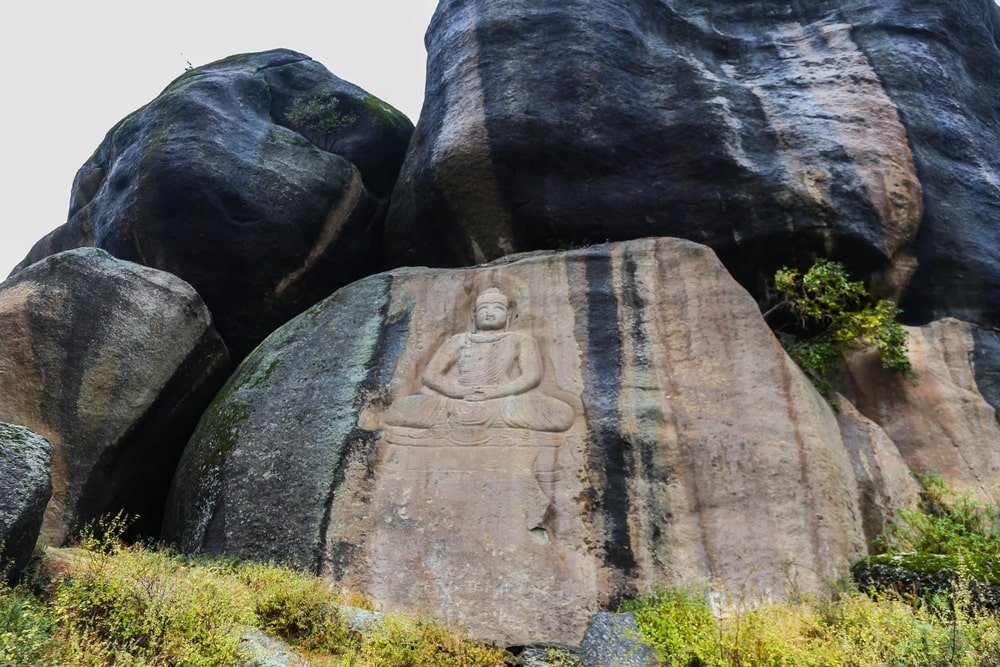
[361, 443]
[169, 421]
[608, 450]
[986, 365]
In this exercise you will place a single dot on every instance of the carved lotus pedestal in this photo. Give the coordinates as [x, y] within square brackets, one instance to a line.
[475, 522]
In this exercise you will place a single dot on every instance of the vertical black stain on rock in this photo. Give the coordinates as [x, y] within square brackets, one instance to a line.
[646, 454]
[641, 362]
[986, 365]
[360, 443]
[608, 450]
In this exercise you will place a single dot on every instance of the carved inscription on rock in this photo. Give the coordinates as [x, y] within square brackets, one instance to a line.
[472, 500]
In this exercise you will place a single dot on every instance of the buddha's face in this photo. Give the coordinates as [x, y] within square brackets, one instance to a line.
[491, 316]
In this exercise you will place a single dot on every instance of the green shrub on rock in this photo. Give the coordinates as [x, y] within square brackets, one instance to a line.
[320, 119]
[830, 314]
[951, 540]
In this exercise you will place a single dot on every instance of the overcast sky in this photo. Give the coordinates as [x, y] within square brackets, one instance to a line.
[72, 70]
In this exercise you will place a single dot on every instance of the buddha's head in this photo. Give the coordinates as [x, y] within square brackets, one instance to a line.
[492, 310]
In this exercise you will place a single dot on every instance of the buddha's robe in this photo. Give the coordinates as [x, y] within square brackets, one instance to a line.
[487, 363]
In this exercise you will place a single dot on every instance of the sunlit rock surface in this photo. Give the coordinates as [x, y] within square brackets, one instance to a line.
[113, 363]
[944, 420]
[361, 441]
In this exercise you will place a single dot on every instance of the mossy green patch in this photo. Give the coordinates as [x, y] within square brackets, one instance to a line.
[257, 376]
[225, 431]
[12, 434]
[389, 116]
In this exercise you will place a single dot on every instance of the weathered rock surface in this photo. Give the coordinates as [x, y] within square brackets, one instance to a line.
[941, 422]
[25, 487]
[613, 640]
[773, 132]
[884, 479]
[693, 448]
[230, 180]
[266, 651]
[113, 363]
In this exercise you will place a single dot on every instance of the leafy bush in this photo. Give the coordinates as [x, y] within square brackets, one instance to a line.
[129, 605]
[947, 523]
[26, 628]
[678, 624]
[400, 641]
[951, 539]
[832, 314]
[299, 609]
[850, 630]
[319, 118]
[112, 603]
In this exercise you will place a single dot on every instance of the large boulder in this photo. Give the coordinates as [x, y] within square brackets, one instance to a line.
[259, 179]
[25, 488]
[944, 420]
[113, 363]
[774, 132]
[637, 422]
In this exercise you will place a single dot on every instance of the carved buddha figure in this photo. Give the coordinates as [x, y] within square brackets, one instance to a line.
[487, 378]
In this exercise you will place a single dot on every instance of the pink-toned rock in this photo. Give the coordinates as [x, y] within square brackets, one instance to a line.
[112, 363]
[885, 482]
[516, 460]
[940, 420]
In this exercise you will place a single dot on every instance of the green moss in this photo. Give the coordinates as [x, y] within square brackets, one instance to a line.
[10, 433]
[225, 431]
[257, 375]
[561, 657]
[389, 116]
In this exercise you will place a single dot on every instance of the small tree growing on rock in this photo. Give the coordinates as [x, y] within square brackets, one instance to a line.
[831, 314]
[319, 118]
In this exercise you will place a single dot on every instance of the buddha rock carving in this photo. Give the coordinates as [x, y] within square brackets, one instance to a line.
[487, 378]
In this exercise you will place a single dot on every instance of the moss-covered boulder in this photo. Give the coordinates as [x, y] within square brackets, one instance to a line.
[927, 574]
[258, 179]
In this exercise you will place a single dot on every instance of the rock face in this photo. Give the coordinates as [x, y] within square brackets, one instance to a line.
[606, 419]
[258, 179]
[772, 132]
[884, 479]
[614, 639]
[25, 487]
[942, 422]
[112, 363]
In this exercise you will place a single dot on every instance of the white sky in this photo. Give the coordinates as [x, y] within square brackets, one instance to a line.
[72, 70]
